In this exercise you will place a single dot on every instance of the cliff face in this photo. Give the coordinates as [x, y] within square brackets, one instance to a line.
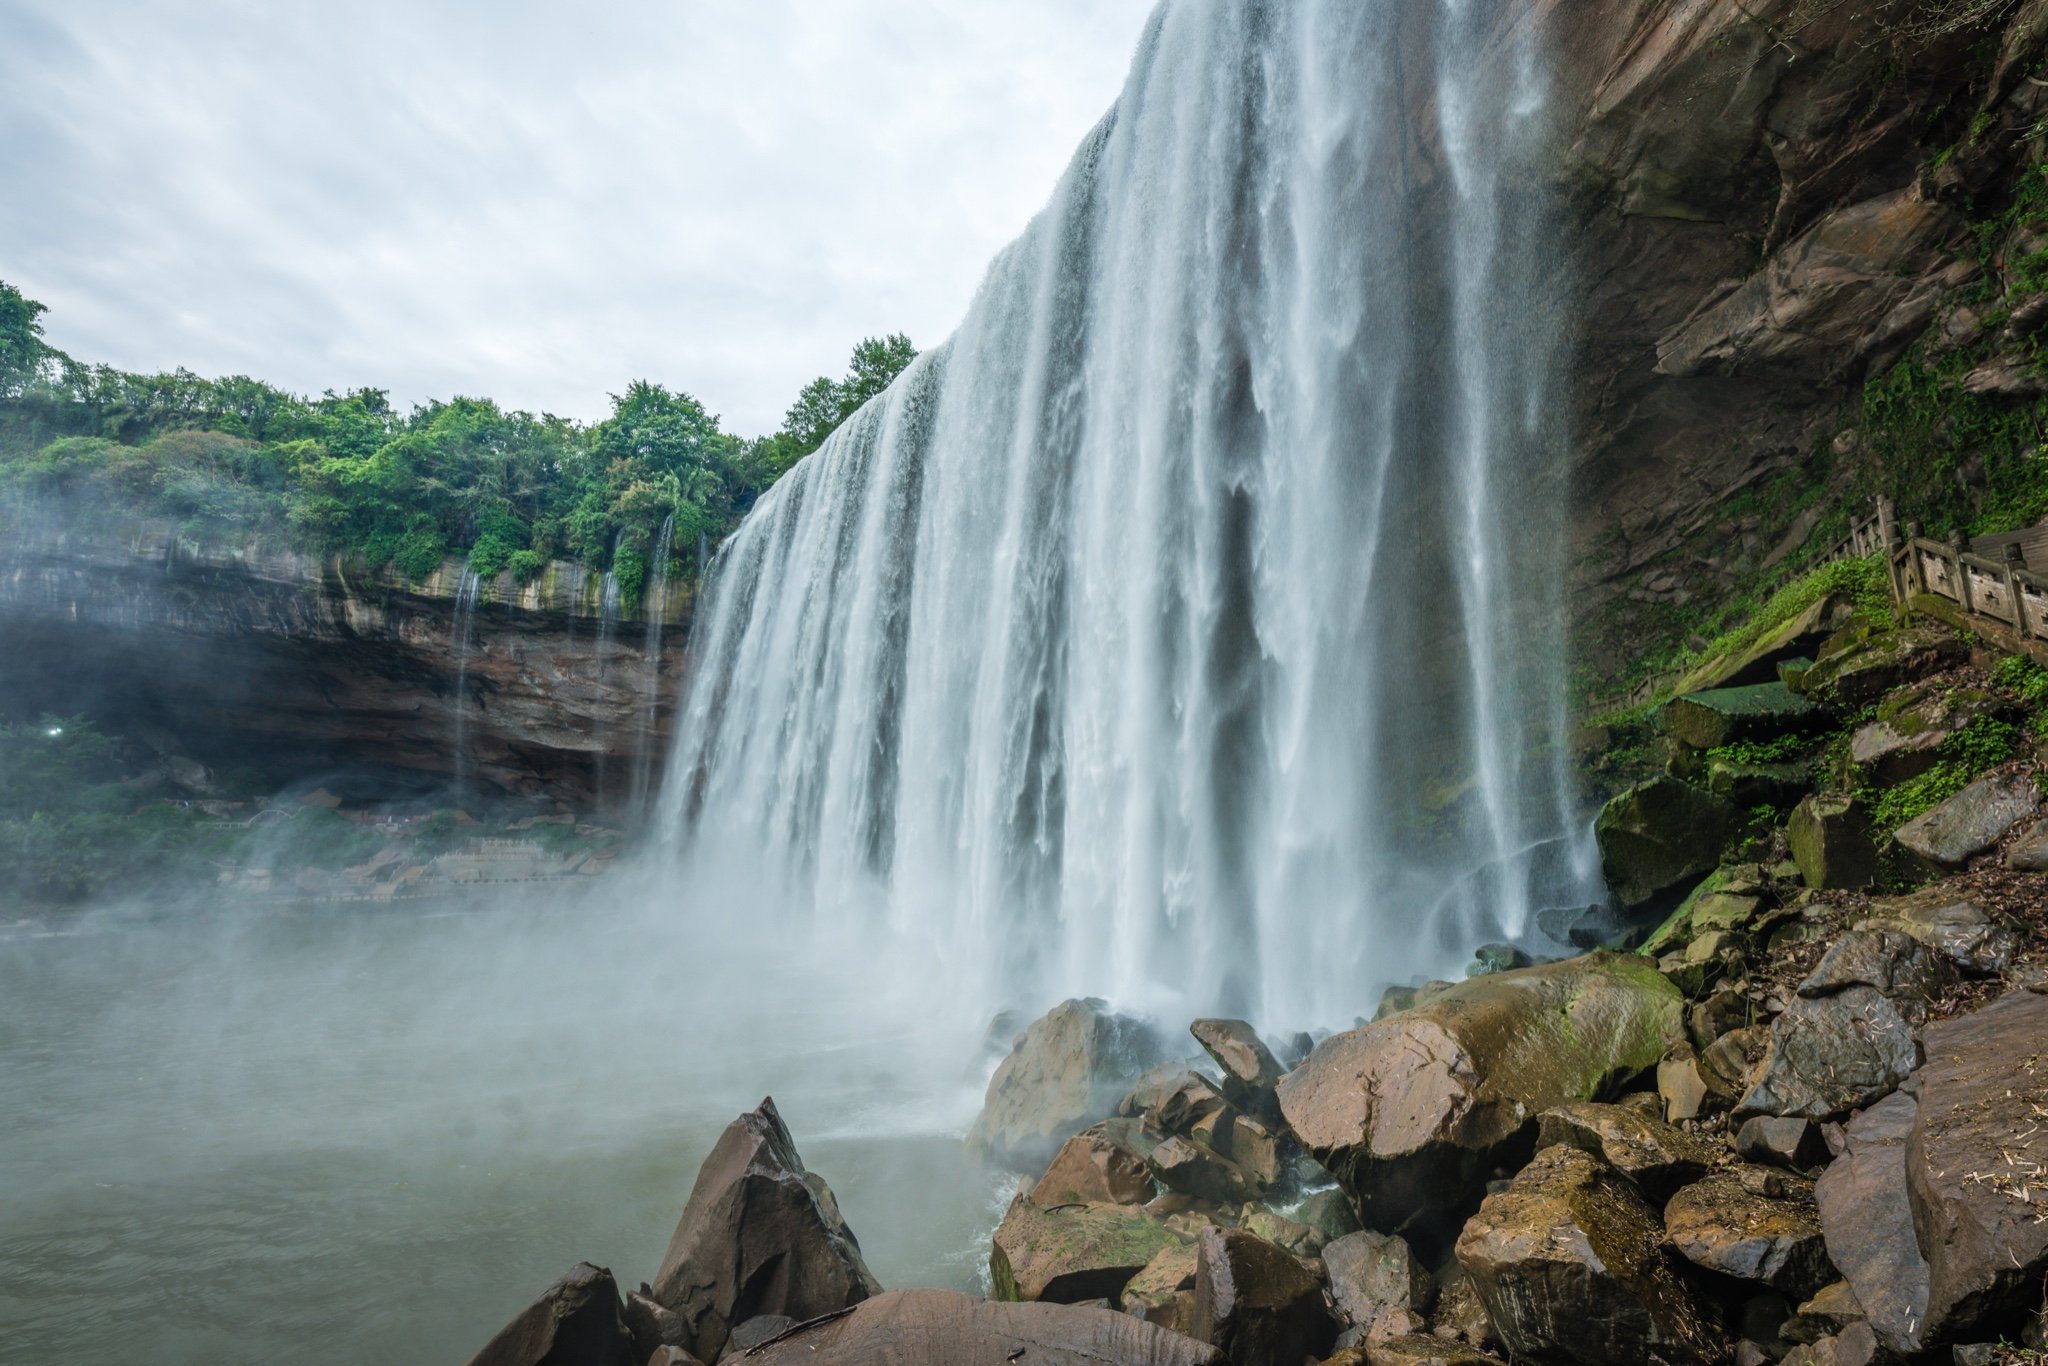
[251, 656]
[1772, 200]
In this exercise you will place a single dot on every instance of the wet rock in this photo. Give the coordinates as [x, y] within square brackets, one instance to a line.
[1260, 1148]
[1977, 1166]
[576, 1323]
[1492, 958]
[1191, 1102]
[1570, 1263]
[755, 1331]
[1789, 1142]
[1250, 1071]
[1660, 836]
[1973, 820]
[1068, 1070]
[1411, 1113]
[1255, 1302]
[1298, 1238]
[1725, 1225]
[1867, 1219]
[1329, 1212]
[1830, 838]
[1378, 1285]
[1959, 929]
[1070, 1254]
[945, 1328]
[1654, 1155]
[1150, 1087]
[1102, 1165]
[1420, 1351]
[759, 1235]
[1460, 1314]
[1192, 1168]
[1164, 1292]
[651, 1326]
[1726, 716]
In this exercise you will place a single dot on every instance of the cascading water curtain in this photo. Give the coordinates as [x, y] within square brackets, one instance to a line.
[1188, 629]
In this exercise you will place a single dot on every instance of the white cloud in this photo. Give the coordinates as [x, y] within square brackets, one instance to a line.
[529, 200]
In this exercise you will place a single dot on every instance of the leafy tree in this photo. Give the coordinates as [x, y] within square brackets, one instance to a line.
[825, 404]
[21, 339]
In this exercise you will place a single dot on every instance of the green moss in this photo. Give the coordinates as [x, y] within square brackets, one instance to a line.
[1966, 756]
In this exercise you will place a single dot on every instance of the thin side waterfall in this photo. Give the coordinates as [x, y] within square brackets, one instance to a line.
[607, 632]
[650, 700]
[1188, 629]
[468, 591]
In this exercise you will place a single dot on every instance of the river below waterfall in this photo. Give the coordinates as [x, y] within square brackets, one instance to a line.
[363, 1137]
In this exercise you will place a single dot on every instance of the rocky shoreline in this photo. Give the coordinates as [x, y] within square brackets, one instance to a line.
[1791, 1106]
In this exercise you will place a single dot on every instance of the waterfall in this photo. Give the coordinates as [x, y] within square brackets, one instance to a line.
[468, 590]
[650, 700]
[1188, 629]
[607, 631]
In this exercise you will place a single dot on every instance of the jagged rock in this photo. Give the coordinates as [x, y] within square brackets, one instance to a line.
[1164, 1292]
[1848, 1037]
[1570, 1263]
[1411, 1113]
[1192, 1168]
[1977, 1166]
[1329, 1212]
[1833, 1308]
[1460, 1314]
[1830, 838]
[1069, 1069]
[1659, 836]
[759, 1235]
[1378, 1285]
[1888, 660]
[1190, 1102]
[1855, 1345]
[1749, 785]
[576, 1323]
[946, 1328]
[1301, 1239]
[1101, 1165]
[1682, 1085]
[1491, 958]
[1957, 928]
[1722, 1224]
[1725, 1064]
[1726, 716]
[651, 1326]
[1973, 820]
[1789, 1142]
[1261, 1149]
[1255, 1302]
[1906, 742]
[1418, 1351]
[1150, 1087]
[1867, 1219]
[1069, 1255]
[1654, 1155]
[1250, 1071]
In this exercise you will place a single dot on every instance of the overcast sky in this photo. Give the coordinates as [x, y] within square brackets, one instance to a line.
[531, 201]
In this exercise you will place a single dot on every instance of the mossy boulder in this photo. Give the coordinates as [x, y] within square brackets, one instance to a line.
[1860, 674]
[1752, 785]
[1830, 838]
[1070, 1254]
[1412, 1113]
[1758, 662]
[1906, 738]
[1660, 835]
[1727, 716]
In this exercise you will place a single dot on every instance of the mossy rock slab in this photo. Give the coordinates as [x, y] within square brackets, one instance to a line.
[1759, 662]
[1752, 785]
[1727, 716]
[1863, 673]
[1075, 1253]
[1661, 835]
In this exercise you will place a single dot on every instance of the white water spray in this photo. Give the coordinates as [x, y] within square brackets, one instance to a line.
[1188, 629]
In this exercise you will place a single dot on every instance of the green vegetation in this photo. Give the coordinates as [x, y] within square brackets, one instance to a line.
[1966, 756]
[347, 474]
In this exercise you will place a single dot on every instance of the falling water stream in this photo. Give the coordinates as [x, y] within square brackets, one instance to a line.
[1187, 629]
[468, 592]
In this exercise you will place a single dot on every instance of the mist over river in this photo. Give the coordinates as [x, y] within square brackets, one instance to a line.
[362, 1137]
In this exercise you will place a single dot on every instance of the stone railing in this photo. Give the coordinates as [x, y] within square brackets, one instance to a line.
[2003, 589]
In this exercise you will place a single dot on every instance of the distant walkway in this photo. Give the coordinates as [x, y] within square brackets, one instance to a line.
[1997, 579]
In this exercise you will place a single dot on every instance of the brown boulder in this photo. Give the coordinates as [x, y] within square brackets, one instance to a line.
[1378, 1284]
[1571, 1265]
[946, 1328]
[653, 1327]
[1977, 1166]
[576, 1323]
[1104, 1165]
[1855, 1345]
[672, 1356]
[1067, 1070]
[759, 1235]
[1656, 1156]
[1868, 1222]
[1413, 1112]
[1418, 1350]
[1257, 1303]
[1250, 1071]
[1195, 1169]
[1187, 1103]
[1726, 1225]
[1069, 1255]
[1164, 1292]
